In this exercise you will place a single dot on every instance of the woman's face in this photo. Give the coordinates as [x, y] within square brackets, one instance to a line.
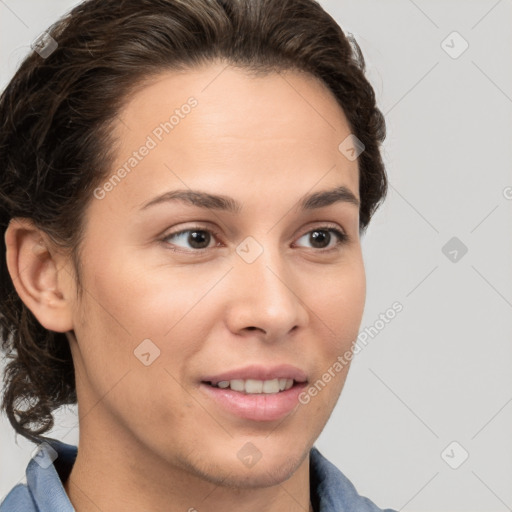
[178, 291]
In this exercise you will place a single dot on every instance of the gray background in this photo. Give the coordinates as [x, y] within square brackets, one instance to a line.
[439, 372]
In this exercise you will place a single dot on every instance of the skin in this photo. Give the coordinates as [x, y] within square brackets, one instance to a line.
[150, 440]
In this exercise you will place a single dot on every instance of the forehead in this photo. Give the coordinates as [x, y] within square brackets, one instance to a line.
[220, 127]
[263, 101]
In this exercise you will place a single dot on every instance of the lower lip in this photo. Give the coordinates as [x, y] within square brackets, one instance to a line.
[256, 407]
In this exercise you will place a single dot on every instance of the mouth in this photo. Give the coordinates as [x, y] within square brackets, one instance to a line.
[257, 379]
[254, 400]
[255, 386]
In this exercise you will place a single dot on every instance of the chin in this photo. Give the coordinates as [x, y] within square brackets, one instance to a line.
[268, 471]
[262, 474]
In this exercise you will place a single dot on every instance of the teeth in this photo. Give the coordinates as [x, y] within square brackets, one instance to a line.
[253, 386]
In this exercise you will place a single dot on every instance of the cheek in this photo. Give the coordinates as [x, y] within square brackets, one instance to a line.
[112, 373]
[127, 304]
[150, 297]
[338, 303]
[338, 308]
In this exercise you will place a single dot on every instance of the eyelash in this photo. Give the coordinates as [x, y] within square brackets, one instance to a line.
[342, 237]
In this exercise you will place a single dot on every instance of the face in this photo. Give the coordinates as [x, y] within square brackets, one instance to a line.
[181, 291]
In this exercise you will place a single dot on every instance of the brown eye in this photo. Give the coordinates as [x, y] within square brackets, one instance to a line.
[193, 238]
[321, 238]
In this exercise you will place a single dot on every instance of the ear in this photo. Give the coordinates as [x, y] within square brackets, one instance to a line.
[39, 274]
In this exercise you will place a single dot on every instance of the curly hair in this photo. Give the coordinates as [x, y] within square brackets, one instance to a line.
[56, 118]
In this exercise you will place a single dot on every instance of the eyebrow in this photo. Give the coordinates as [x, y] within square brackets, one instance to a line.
[225, 203]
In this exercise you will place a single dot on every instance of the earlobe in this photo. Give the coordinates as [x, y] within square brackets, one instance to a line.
[37, 271]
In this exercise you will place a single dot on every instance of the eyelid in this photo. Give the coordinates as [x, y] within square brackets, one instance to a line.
[216, 234]
[323, 226]
[340, 233]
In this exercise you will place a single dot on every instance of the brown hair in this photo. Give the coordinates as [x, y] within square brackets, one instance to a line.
[56, 116]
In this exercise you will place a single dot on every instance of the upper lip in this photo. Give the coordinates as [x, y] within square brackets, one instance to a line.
[259, 372]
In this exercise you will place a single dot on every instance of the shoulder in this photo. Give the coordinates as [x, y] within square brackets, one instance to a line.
[332, 491]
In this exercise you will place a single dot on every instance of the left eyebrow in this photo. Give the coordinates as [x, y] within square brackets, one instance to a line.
[327, 197]
[226, 203]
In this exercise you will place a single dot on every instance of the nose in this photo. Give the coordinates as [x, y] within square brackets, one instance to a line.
[265, 295]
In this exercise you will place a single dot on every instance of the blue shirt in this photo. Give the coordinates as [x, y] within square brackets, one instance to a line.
[331, 491]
